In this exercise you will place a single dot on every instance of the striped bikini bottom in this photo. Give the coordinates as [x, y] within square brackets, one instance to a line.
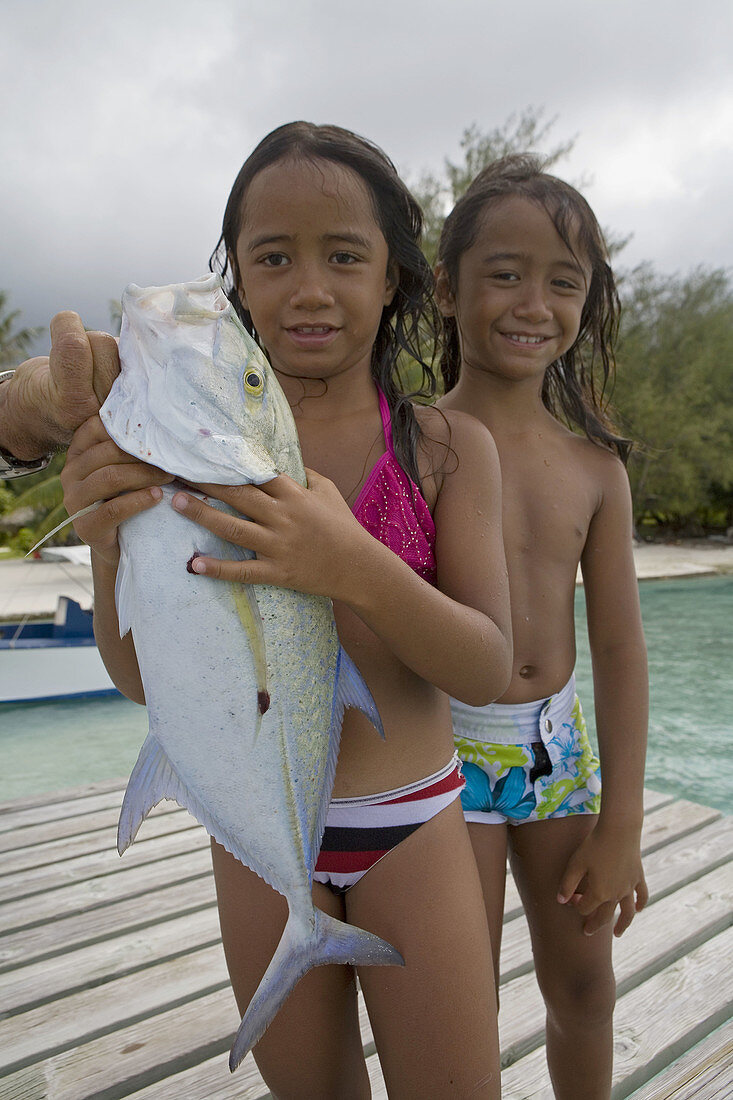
[360, 831]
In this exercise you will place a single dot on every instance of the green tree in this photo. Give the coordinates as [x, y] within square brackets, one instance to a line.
[43, 493]
[115, 315]
[673, 394]
[525, 132]
[14, 343]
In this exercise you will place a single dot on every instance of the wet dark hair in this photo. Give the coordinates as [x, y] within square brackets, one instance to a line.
[410, 323]
[571, 389]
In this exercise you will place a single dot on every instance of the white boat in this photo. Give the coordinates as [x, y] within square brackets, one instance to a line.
[53, 659]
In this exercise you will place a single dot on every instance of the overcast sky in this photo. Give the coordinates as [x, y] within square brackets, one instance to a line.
[123, 126]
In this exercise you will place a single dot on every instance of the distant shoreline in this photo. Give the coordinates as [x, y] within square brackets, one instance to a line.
[31, 588]
[686, 558]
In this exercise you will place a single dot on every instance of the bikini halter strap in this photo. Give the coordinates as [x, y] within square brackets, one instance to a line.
[386, 421]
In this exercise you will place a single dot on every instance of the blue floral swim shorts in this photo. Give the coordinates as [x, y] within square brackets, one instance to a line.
[526, 761]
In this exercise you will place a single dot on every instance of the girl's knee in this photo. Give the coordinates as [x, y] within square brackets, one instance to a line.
[581, 999]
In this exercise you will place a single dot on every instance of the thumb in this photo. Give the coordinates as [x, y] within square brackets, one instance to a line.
[106, 363]
[570, 881]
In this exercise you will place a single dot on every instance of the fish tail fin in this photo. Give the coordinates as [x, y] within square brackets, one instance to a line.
[351, 691]
[327, 941]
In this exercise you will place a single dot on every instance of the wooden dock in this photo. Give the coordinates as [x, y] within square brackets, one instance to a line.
[113, 983]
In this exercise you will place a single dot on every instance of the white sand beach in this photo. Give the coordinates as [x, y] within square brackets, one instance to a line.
[686, 558]
[33, 587]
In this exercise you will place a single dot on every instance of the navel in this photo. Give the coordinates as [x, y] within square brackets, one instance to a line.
[527, 672]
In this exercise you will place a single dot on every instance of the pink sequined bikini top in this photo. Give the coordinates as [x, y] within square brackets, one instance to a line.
[392, 509]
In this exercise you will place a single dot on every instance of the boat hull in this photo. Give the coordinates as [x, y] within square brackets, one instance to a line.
[52, 660]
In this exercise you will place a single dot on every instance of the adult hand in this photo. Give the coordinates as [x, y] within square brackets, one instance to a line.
[50, 396]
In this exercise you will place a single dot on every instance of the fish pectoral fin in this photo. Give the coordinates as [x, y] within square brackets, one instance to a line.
[124, 591]
[151, 780]
[351, 691]
[301, 947]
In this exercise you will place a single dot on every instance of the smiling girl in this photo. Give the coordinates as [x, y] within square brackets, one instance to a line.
[401, 527]
[530, 309]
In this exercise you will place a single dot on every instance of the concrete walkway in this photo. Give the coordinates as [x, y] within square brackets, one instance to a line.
[33, 587]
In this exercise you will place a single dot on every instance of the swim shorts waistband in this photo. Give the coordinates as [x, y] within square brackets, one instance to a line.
[515, 723]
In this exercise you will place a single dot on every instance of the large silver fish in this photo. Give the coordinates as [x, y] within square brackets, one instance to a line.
[245, 685]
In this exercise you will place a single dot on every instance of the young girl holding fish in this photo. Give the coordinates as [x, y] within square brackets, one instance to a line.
[401, 527]
[530, 308]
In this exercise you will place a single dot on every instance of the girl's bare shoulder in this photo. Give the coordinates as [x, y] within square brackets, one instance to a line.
[443, 428]
[602, 461]
[453, 441]
[601, 468]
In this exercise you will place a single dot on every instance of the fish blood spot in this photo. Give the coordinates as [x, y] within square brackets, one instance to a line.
[191, 560]
[263, 701]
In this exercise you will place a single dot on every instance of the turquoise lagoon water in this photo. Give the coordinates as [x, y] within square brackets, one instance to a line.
[689, 630]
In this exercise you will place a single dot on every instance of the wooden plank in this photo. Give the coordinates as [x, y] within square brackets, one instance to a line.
[87, 966]
[69, 794]
[127, 1059]
[676, 1008]
[703, 1073]
[653, 1024]
[654, 799]
[677, 863]
[39, 832]
[210, 1079]
[683, 860]
[128, 880]
[88, 1013]
[101, 922]
[103, 839]
[690, 916]
[42, 832]
[174, 1043]
[674, 820]
[43, 880]
[252, 1094]
[12, 817]
[689, 857]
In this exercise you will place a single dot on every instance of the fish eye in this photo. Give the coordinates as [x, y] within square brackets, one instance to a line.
[253, 382]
